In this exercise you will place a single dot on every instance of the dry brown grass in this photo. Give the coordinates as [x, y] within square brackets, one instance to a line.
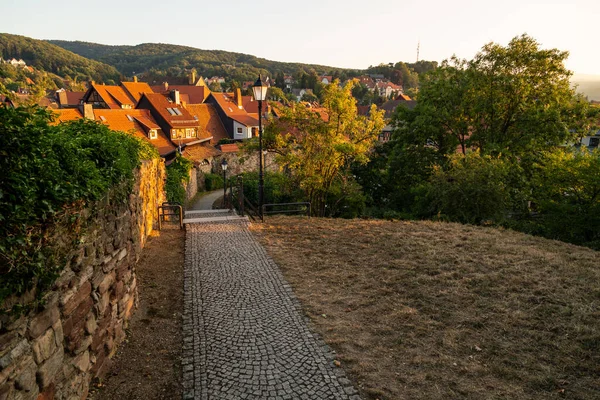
[423, 310]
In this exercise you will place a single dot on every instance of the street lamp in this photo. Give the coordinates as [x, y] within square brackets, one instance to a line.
[224, 167]
[260, 94]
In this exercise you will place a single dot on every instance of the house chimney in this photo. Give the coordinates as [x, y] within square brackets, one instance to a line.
[135, 78]
[193, 78]
[238, 98]
[166, 86]
[62, 98]
[175, 96]
[88, 111]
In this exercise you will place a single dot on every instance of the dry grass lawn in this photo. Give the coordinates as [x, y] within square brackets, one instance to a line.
[424, 310]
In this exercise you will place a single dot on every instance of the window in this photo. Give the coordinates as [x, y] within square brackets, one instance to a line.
[170, 110]
[174, 133]
[239, 130]
[152, 134]
[190, 132]
[594, 142]
[176, 111]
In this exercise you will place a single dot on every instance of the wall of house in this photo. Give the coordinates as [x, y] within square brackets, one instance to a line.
[246, 131]
[55, 352]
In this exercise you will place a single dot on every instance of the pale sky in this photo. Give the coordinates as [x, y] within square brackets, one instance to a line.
[351, 33]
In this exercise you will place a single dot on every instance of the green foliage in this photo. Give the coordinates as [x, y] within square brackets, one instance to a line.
[49, 171]
[318, 150]
[278, 188]
[566, 198]
[178, 173]
[51, 58]
[159, 61]
[474, 189]
[511, 100]
[213, 182]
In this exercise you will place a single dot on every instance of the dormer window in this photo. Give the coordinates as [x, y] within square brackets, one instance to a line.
[152, 134]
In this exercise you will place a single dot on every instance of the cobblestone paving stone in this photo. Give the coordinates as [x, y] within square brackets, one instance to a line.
[244, 333]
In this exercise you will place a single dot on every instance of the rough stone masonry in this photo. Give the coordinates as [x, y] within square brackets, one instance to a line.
[244, 333]
[53, 353]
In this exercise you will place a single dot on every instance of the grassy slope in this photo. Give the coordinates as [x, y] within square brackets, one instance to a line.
[142, 57]
[49, 57]
[423, 310]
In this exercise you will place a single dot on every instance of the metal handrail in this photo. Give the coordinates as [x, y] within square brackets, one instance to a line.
[171, 207]
[299, 209]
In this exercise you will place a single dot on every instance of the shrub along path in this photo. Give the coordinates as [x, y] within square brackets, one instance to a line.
[243, 331]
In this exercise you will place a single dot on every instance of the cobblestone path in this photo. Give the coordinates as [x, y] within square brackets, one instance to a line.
[244, 333]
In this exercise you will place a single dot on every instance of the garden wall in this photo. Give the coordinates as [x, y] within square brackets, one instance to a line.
[55, 352]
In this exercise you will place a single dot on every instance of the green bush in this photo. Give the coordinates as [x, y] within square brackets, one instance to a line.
[278, 188]
[474, 189]
[213, 182]
[49, 171]
[566, 198]
[178, 173]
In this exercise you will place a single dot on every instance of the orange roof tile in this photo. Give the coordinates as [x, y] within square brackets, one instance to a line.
[210, 123]
[229, 148]
[161, 105]
[195, 94]
[137, 122]
[66, 114]
[247, 120]
[114, 96]
[136, 89]
[200, 152]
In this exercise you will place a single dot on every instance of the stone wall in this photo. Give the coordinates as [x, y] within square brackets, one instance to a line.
[54, 352]
[191, 187]
[237, 164]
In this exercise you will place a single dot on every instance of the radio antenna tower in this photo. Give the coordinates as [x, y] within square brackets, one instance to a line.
[418, 48]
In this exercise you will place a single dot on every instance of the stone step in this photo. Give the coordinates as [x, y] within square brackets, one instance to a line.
[214, 219]
[206, 211]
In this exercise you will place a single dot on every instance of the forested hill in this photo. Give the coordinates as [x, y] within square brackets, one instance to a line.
[156, 59]
[48, 57]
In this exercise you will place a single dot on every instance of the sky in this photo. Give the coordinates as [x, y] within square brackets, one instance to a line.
[349, 34]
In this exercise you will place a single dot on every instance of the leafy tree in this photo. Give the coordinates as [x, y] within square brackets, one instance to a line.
[566, 196]
[512, 100]
[317, 149]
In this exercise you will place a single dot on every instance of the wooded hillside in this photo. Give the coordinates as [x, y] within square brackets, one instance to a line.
[51, 58]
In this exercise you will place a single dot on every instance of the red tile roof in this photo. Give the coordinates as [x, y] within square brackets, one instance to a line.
[161, 105]
[200, 152]
[229, 148]
[210, 123]
[136, 89]
[74, 98]
[136, 122]
[404, 97]
[114, 96]
[227, 104]
[245, 119]
[66, 114]
[195, 94]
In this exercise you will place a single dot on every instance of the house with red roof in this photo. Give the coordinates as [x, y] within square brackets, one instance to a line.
[175, 121]
[238, 122]
[108, 96]
[68, 99]
[188, 94]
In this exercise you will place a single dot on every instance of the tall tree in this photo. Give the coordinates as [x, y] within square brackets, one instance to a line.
[511, 100]
[317, 147]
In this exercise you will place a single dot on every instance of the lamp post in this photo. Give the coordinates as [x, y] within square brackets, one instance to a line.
[224, 167]
[260, 94]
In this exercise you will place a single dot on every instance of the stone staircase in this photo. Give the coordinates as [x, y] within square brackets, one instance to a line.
[211, 216]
